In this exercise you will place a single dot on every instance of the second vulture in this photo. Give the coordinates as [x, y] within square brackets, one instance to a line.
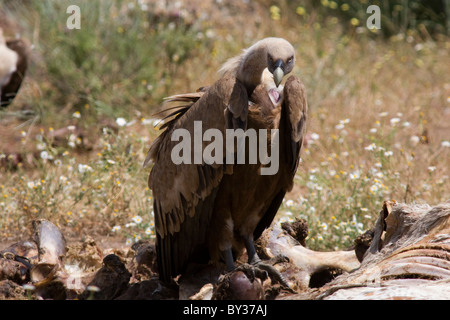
[209, 211]
[13, 65]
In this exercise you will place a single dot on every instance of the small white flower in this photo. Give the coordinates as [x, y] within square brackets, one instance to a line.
[354, 175]
[370, 147]
[289, 203]
[31, 185]
[82, 168]
[414, 140]
[44, 155]
[383, 114]
[394, 121]
[406, 124]
[388, 153]
[71, 128]
[431, 168]
[379, 175]
[115, 228]
[445, 144]
[137, 219]
[41, 146]
[121, 122]
[57, 162]
[148, 231]
[340, 126]
[373, 130]
[315, 136]
[76, 114]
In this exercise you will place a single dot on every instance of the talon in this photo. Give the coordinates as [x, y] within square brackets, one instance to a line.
[273, 273]
[253, 272]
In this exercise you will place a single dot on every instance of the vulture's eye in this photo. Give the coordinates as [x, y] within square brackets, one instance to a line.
[270, 59]
[290, 60]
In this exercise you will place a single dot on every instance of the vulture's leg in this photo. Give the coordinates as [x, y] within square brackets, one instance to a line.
[255, 261]
[229, 261]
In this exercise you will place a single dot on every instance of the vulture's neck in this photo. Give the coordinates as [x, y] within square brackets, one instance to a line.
[251, 66]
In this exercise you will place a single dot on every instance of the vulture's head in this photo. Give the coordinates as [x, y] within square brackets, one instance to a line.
[275, 54]
[280, 58]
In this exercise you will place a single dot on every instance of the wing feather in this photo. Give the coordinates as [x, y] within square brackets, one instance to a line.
[184, 194]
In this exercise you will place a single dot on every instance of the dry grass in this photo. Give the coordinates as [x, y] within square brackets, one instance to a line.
[378, 129]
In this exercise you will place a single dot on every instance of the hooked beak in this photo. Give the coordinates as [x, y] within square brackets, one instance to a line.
[278, 75]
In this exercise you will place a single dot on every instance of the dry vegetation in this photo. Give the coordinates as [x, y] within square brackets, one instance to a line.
[379, 111]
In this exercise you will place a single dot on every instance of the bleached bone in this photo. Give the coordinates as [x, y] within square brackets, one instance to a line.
[409, 258]
[275, 241]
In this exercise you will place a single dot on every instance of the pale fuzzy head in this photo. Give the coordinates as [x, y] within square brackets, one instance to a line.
[280, 54]
[275, 54]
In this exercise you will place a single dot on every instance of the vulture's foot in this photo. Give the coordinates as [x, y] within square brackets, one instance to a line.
[252, 272]
[273, 273]
[254, 260]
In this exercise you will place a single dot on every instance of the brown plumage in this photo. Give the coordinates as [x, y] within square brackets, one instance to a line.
[13, 65]
[210, 213]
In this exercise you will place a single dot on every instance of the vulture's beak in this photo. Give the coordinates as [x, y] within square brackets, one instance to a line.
[278, 73]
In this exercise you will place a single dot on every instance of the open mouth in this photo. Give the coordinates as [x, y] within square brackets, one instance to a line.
[274, 95]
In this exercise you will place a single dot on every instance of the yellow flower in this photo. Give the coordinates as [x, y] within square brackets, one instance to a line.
[275, 13]
[300, 11]
[354, 22]
[345, 7]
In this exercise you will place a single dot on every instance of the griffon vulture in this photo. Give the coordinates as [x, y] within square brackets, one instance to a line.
[13, 65]
[206, 211]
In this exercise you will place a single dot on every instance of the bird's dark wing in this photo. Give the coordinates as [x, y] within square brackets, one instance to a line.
[9, 91]
[184, 194]
[292, 129]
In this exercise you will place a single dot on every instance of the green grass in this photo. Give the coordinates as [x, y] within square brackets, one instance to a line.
[377, 129]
